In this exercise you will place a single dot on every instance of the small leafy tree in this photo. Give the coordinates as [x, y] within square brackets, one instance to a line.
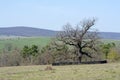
[34, 50]
[113, 55]
[54, 52]
[25, 51]
[106, 48]
[61, 52]
[46, 55]
[29, 53]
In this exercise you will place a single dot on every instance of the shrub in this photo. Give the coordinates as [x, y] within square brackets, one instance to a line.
[29, 54]
[10, 59]
[113, 55]
[48, 68]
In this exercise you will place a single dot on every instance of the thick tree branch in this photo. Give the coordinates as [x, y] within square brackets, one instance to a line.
[87, 54]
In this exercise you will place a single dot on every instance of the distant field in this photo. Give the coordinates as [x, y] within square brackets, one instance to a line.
[117, 42]
[40, 41]
[20, 42]
[109, 71]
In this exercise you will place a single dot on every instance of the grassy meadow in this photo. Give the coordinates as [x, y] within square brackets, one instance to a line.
[117, 42]
[110, 71]
[21, 41]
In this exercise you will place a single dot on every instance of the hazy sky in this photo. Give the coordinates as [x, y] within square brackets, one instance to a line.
[53, 14]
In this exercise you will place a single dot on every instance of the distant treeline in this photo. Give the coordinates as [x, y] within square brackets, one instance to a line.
[34, 55]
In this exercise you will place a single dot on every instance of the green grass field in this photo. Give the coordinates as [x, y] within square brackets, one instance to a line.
[117, 42]
[20, 42]
[110, 71]
[39, 41]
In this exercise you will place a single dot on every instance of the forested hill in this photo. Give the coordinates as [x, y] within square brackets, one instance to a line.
[110, 35]
[26, 31]
[29, 31]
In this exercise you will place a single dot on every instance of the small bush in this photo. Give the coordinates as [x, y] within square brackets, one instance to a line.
[10, 59]
[48, 68]
[113, 55]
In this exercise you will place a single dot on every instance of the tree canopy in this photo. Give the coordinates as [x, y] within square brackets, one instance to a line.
[81, 37]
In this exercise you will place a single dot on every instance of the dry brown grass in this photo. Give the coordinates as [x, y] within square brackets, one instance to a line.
[109, 71]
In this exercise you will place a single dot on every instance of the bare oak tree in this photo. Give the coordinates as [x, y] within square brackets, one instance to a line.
[82, 37]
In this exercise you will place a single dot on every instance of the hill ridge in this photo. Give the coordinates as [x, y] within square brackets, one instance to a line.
[26, 31]
[30, 31]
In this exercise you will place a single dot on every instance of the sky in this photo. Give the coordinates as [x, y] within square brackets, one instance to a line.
[54, 14]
